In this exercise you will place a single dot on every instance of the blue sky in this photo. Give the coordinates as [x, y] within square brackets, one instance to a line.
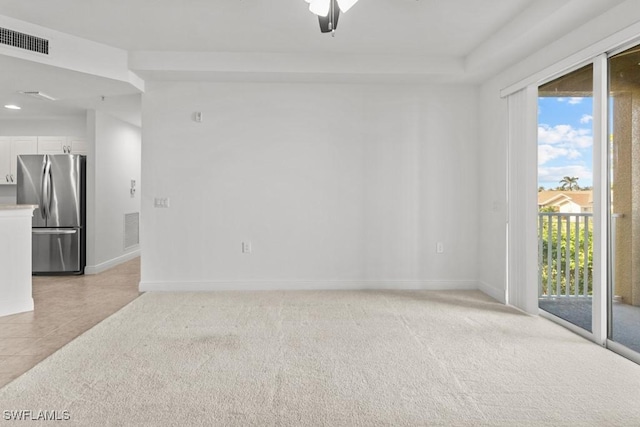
[565, 140]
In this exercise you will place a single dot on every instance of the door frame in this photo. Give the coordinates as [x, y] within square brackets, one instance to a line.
[521, 286]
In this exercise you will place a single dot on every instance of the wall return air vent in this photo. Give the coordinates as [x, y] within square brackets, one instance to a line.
[24, 41]
[131, 230]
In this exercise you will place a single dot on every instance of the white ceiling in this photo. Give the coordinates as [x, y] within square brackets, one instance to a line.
[424, 27]
[483, 36]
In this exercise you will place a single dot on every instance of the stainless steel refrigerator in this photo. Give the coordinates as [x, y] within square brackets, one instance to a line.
[55, 183]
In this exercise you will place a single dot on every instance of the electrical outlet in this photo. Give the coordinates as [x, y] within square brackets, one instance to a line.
[246, 247]
[439, 248]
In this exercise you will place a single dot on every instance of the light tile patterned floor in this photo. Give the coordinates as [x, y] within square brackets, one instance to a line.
[65, 307]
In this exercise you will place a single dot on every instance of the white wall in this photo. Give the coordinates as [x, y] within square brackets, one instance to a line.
[336, 186]
[113, 161]
[597, 36]
[63, 126]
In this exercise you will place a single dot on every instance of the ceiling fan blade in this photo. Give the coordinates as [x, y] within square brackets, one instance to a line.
[319, 7]
[346, 5]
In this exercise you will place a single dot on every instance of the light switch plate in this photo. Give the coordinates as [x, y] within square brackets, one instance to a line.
[161, 202]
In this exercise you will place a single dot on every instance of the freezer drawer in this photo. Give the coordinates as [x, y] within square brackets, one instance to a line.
[56, 250]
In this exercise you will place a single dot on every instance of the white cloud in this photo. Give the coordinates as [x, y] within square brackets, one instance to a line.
[556, 173]
[586, 118]
[547, 153]
[573, 100]
[565, 135]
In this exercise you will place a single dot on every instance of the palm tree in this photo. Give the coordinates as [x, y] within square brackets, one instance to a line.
[570, 183]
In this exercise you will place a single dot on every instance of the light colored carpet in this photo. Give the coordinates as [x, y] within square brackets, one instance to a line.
[329, 358]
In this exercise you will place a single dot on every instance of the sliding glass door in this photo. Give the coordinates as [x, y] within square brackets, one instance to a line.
[589, 262]
[624, 222]
[565, 197]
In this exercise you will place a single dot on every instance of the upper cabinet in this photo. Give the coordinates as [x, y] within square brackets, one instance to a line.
[61, 145]
[52, 144]
[10, 148]
[5, 160]
[77, 145]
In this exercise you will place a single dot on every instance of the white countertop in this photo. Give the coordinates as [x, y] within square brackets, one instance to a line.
[14, 207]
[12, 211]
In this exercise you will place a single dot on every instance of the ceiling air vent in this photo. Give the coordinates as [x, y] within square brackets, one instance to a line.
[37, 94]
[24, 41]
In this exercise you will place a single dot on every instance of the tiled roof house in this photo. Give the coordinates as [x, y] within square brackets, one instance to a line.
[566, 201]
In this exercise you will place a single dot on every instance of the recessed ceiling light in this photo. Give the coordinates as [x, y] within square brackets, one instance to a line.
[12, 107]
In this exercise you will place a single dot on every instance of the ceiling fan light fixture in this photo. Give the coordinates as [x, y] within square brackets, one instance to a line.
[322, 7]
[328, 12]
[329, 23]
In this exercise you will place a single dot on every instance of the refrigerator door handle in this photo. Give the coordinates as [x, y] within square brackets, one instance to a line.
[53, 231]
[49, 190]
[43, 185]
[46, 189]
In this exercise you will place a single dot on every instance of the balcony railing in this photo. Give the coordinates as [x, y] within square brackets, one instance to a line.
[565, 254]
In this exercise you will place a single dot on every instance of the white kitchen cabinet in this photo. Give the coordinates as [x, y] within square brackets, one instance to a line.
[15, 262]
[5, 160]
[10, 148]
[77, 145]
[52, 144]
[61, 145]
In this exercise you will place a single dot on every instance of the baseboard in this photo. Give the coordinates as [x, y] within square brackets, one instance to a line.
[283, 285]
[103, 266]
[16, 306]
[495, 293]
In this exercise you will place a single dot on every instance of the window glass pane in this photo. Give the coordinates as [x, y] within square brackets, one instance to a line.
[624, 136]
[565, 197]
